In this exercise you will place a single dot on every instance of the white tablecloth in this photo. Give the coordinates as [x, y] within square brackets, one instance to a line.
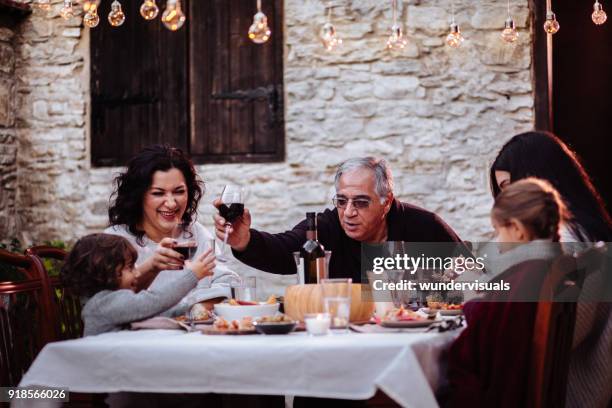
[350, 366]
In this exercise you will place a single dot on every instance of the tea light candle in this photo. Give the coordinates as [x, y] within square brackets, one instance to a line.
[317, 324]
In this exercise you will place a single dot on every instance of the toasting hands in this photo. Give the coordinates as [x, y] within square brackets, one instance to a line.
[239, 230]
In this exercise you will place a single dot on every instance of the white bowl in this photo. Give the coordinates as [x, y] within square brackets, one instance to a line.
[231, 312]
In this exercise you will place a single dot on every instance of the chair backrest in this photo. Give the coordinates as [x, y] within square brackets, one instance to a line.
[67, 306]
[554, 326]
[25, 316]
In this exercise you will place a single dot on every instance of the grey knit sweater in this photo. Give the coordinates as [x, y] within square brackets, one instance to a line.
[109, 310]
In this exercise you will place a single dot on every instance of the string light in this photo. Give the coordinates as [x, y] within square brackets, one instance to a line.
[396, 40]
[599, 16]
[329, 36]
[551, 25]
[43, 5]
[87, 5]
[454, 39]
[259, 32]
[91, 18]
[116, 17]
[509, 34]
[173, 16]
[149, 9]
[67, 12]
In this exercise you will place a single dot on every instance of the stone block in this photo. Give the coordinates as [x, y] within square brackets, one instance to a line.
[6, 34]
[395, 87]
[7, 59]
[7, 116]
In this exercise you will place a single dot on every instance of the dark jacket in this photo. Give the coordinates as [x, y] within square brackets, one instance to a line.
[274, 252]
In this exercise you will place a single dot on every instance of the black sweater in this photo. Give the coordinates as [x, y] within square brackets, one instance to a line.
[274, 252]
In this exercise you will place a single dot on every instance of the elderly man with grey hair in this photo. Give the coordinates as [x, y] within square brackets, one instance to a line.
[366, 211]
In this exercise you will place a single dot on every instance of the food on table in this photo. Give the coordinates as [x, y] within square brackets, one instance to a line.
[200, 312]
[246, 323]
[271, 300]
[279, 318]
[402, 315]
[235, 302]
[444, 306]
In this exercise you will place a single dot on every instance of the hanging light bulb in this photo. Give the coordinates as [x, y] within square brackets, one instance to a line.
[259, 32]
[329, 36]
[599, 16]
[67, 12]
[149, 10]
[173, 16]
[91, 19]
[116, 17]
[396, 40]
[551, 25]
[509, 34]
[44, 5]
[454, 39]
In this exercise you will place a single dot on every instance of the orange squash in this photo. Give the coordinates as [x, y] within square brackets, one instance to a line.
[303, 299]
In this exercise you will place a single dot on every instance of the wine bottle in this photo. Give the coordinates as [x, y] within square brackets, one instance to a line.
[312, 252]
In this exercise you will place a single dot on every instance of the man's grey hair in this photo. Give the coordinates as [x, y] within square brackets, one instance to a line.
[382, 174]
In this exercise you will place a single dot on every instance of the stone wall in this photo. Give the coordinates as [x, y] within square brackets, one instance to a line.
[8, 141]
[438, 115]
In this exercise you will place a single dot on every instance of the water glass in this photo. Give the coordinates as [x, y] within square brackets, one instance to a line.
[337, 302]
[246, 290]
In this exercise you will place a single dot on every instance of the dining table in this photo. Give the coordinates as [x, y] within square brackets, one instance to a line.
[407, 364]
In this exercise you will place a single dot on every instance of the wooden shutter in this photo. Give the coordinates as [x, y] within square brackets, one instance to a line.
[236, 94]
[139, 81]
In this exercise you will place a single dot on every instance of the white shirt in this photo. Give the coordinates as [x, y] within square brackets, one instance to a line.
[209, 287]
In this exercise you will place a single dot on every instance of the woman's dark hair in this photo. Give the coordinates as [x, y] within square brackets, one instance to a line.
[132, 185]
[95, 263]
[543, 155]
[533, 202]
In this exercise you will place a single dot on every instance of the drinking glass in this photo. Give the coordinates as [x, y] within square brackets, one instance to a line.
[231, 208]
[186, 247]
[337, 302]
[246, 290]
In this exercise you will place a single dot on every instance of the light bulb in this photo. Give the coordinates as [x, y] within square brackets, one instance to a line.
[91, 20]
[149, 10]
[329, 37]
[173, 17]
[509, 34]
[454, 39]
[67, 12]
[551, 25]
[87, 5]
[599, 16]
[43, 5]
[396, 40]
[259, 32]
[116, 17]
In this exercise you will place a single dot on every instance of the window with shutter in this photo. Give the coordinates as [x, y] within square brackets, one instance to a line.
[205, 88]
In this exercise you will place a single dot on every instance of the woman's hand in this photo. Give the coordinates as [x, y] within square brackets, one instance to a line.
[164, 258]
[203, 265]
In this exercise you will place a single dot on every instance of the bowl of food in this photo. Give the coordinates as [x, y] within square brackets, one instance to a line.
[237, 309]
[279, 324]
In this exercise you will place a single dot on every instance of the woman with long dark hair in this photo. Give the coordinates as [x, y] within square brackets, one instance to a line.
[155, 206]
[545, 156]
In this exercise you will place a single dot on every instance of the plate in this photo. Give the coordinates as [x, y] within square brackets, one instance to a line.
[231, 332]
[454, 312]
[408, 323]
[207, 321]
[237, 312]
[275, 328]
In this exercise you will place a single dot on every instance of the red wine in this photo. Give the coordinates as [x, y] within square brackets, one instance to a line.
[313, 252]
[231, 212]
[187, 249]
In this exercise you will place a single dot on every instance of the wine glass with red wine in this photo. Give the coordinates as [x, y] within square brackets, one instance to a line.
[231, 208]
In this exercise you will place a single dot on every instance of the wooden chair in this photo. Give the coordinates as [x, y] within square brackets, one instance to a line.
[25, 316]
[67, 306]
[554, 326]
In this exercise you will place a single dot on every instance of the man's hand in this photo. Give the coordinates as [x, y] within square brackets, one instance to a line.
[239, 231]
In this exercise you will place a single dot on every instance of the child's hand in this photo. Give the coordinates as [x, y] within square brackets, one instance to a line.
[203, 265]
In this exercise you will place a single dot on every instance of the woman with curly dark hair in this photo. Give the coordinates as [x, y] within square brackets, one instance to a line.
[155, 207]
[100, 267]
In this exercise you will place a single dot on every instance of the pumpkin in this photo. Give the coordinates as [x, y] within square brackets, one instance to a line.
[303, 299]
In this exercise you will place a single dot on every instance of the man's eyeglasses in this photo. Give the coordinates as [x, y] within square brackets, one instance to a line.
[358, 203]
